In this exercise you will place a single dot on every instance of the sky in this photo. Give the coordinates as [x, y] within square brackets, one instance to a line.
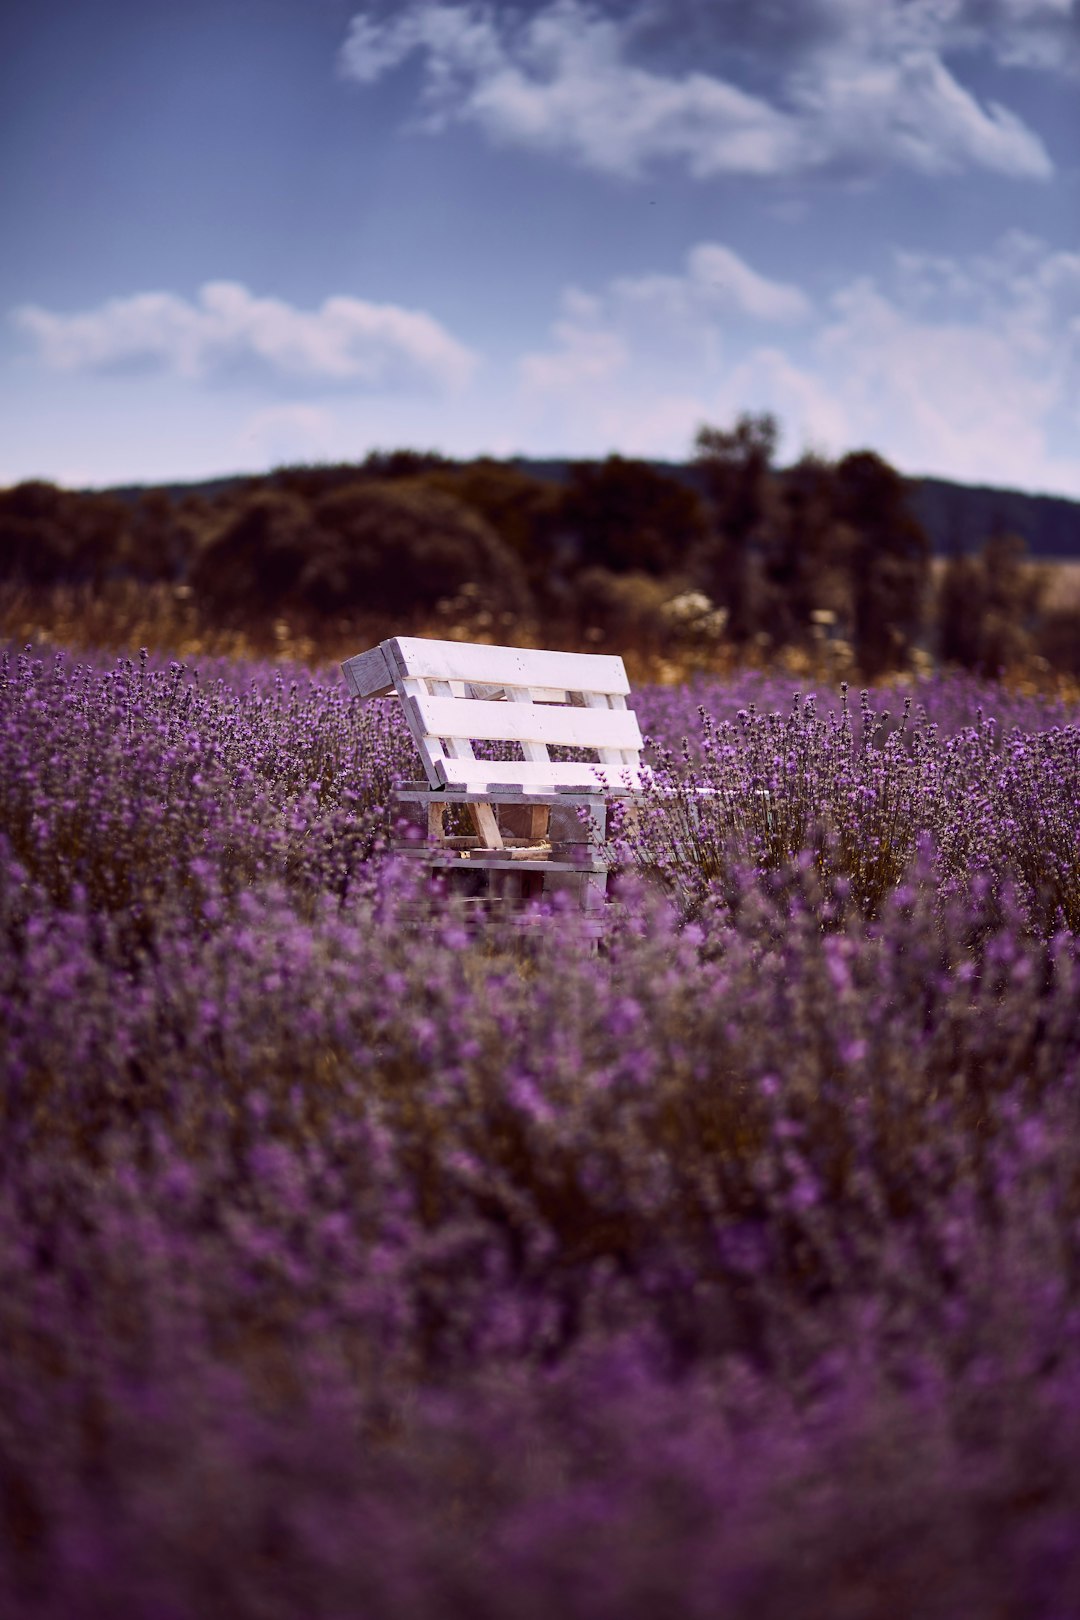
[241, 233]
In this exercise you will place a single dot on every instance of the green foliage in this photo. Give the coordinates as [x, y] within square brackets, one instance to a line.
[49, 534]
[254, 561]
[402, 547]
[625, 516]
[805, 567]
[890, 560]
[735, 461]
[737, 468]
[621, 610]
[521, 509]
[735, 554]
[367, 547]
[392, 464]
[985, 605]
[162, 536]
[1059, 639]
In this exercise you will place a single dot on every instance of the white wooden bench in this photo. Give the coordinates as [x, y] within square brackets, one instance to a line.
[538, 823]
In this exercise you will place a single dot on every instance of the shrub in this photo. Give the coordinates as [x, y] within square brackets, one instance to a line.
[367, 548]
[49, 534]
[401, 547]
[625, 516]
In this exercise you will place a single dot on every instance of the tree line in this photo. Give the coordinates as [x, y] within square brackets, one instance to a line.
[740, 555]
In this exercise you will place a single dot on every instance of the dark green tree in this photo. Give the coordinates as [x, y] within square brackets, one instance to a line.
[163, 537]
[961, 612]
[521, 509]
[890, 561]
[988, 605]
[400, 548]
[388, 465]
[736, 465]
[50, 535]
[392, 549]
[804, 562]
[627, 517]
[252, 564]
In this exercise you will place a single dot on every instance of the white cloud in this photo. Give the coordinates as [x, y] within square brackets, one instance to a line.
[659, 318]
[559, 83]
[717, 282]
[861, 89]
[346, 342]
[966, 369]
[969, 369]
[942, 393]
[287, 433]
[1041, 34]
[912, 111]
[810, 413]
[585, 354]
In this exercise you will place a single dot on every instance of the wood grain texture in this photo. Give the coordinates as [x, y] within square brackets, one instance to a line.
[369, 674]
[460, 752]
[493, 778]
[525, 722]
[513, 666]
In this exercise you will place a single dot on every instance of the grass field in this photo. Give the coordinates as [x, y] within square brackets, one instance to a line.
[354, 1266]
[1063, 589]
[123, 615]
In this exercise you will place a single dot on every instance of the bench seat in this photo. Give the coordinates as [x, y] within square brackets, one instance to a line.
[539, 817]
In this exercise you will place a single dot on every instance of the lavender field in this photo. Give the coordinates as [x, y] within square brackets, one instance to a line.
[355, 1268]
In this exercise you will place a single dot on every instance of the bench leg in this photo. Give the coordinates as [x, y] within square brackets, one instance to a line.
[487, 827]
[593, 891]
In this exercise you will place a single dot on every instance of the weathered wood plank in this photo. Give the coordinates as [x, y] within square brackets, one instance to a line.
[555, 797]
[493, 778]
[430, 748]
[523, 695]
[613, 706]
[482, 816]
[369, 674]
[557, 794]
[508, 666]
[526, 722]
[479, 861]
[530, 821]
[534, 694]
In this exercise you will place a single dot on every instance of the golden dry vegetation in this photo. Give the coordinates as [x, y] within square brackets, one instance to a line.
[123, 616]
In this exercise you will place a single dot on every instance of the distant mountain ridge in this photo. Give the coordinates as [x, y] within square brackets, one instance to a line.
[957, 517]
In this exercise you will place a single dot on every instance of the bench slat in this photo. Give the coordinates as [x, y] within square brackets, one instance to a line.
[485, 773]
[516, 694]
[368, 674]
[531, 750]
[527, 722]
[613, 703]
[482, 816]
[508, 666]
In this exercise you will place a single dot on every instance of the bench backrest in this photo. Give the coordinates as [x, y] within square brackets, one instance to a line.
[456, 693]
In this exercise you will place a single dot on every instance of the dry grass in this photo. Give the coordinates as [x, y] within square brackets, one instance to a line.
[1060, 580]
[1062, 588]
[124, 616]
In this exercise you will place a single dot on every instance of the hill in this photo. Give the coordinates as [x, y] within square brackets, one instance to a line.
[957, 517]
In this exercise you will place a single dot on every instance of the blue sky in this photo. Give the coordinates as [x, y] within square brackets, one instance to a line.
[242, 232]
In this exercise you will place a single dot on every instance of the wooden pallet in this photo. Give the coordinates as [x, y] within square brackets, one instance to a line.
[530, 813]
